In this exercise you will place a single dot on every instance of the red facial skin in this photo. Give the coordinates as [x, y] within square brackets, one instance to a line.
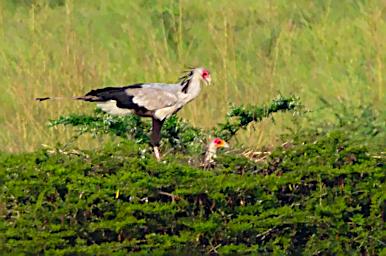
[205, 74]
[217, 141]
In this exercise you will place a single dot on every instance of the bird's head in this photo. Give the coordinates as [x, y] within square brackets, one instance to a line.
[204, 75]
[210, 153]
[196, 73]
[219, 143]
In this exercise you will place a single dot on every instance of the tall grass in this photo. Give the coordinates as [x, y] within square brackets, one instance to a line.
[317, 50]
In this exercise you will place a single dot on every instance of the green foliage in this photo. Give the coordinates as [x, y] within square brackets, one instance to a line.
[178, 133]
[240, 116]
[321, 193]
[129, 126]
[361, 124]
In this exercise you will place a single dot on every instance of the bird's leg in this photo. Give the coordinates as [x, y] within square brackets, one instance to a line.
[155, 136]
[156, 153]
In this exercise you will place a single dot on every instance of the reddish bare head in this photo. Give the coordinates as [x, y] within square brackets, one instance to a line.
[204, 75]
[220, 143]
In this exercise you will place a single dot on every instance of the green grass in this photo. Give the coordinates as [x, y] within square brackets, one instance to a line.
[331, 50]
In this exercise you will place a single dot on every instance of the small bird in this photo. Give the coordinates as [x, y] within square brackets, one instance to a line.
[156, 100]
[211, 151]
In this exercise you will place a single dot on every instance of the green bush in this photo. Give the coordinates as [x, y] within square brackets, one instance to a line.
[321, 193]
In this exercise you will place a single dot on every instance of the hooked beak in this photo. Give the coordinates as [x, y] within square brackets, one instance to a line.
[223, 145]
[208, 80]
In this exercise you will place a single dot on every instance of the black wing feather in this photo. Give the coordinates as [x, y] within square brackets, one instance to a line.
[114, 93]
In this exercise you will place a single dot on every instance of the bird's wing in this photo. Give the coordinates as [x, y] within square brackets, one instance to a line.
[152, 98]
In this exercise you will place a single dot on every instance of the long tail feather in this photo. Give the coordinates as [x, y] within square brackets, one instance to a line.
[42, 99]
[53, 98]
[85, 98]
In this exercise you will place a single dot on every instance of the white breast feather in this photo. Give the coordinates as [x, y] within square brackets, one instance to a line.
[163, 113]
[111, 108]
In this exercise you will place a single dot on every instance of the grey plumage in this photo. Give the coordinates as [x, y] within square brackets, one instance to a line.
[156, 100]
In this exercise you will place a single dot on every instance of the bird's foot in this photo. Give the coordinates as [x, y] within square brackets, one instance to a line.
[157, 154]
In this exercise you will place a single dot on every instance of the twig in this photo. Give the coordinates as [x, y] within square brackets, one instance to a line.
[265, 233]
[173, 197]
[214, 248]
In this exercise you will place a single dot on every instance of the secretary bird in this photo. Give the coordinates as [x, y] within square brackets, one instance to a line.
[211, 152]
[156, 100]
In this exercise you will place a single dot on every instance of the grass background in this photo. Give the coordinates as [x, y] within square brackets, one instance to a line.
[317, 50]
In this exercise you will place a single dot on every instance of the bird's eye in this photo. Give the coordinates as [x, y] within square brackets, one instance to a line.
[205, 73]
[217, 141]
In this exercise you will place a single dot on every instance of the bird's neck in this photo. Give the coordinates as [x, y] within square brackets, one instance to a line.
[191, 86]
[210, 153]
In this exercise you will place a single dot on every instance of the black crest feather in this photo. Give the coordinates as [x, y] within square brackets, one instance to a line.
[185, 79]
